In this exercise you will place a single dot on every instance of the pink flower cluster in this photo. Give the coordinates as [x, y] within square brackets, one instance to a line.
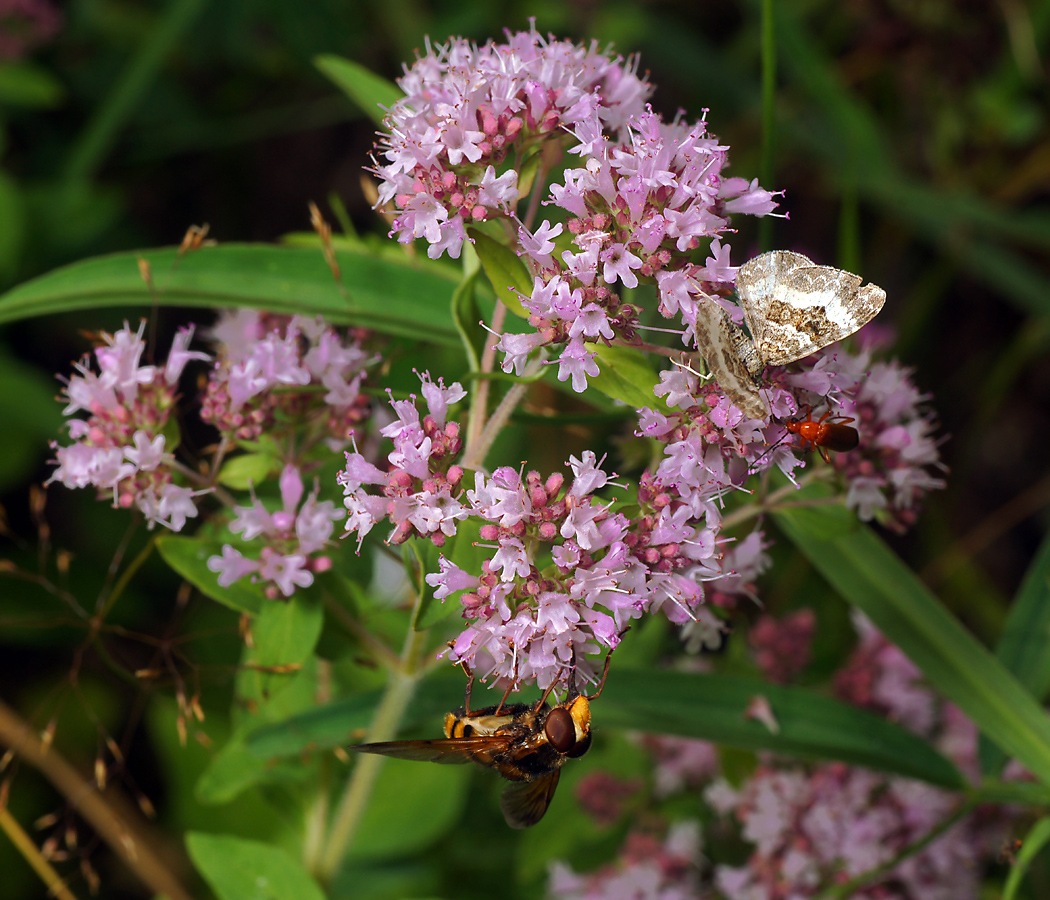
[647, 870]
[468, 109]
[894, 465]
[781, 647]
[291, 538]
[276, 366]
[123, 448]
[637, 209]
[418, 485]
[290, 386]
[812, 827]
[712, 448]
[568, 572]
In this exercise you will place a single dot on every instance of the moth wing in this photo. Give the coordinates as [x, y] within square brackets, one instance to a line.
[445, 750]
[724, 347]
[524, 802]
[814, 306]
[756, 284]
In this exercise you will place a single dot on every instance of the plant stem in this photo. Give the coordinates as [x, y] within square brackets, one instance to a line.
[475, 455]
[388, 714]
[480, 400]
[84, 797]
[777, 500]
[24, 844]
[769, 115]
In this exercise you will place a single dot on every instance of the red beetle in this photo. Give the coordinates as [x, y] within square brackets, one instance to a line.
[827, 433]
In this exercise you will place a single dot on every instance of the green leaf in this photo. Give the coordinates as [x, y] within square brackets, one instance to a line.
[865, 572]
[232, 770]
[284, 635]
[1024, 646]
[242, 472]
[189, 557]
[239, 869]
[412, 805]
[373, 93]
[345, 721]
[27, 84]
[392, 297]
[625, 375]
[713, 706]
[505, 270]
[1034, 841]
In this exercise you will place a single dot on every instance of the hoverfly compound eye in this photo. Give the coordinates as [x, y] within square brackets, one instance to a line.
[560, 729]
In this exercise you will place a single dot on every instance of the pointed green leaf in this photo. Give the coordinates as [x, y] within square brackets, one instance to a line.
[244, 471]
[809, 725]
[393, 297]
[625, 375]
[508, 274]
[1024, 646]
[27, 84]
[373, 93]
[868, 574]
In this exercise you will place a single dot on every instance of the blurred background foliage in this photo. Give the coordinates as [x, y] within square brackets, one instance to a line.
[913, 145]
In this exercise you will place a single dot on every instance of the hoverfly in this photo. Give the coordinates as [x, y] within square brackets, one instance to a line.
[526, 743]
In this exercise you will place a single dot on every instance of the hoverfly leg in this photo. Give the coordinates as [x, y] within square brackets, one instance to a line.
[605, 668]
[544, 696]
[470, 684]
[601, 682]
[503, 699]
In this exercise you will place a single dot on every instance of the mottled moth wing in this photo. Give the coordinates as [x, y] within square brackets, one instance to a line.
[794, 307]
[727, 352]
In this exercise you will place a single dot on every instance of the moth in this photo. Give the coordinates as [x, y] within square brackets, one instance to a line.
[792, 308]
[525, 743]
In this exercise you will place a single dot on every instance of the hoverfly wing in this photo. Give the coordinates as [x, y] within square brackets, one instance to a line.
[523, 803]
[445, 750]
